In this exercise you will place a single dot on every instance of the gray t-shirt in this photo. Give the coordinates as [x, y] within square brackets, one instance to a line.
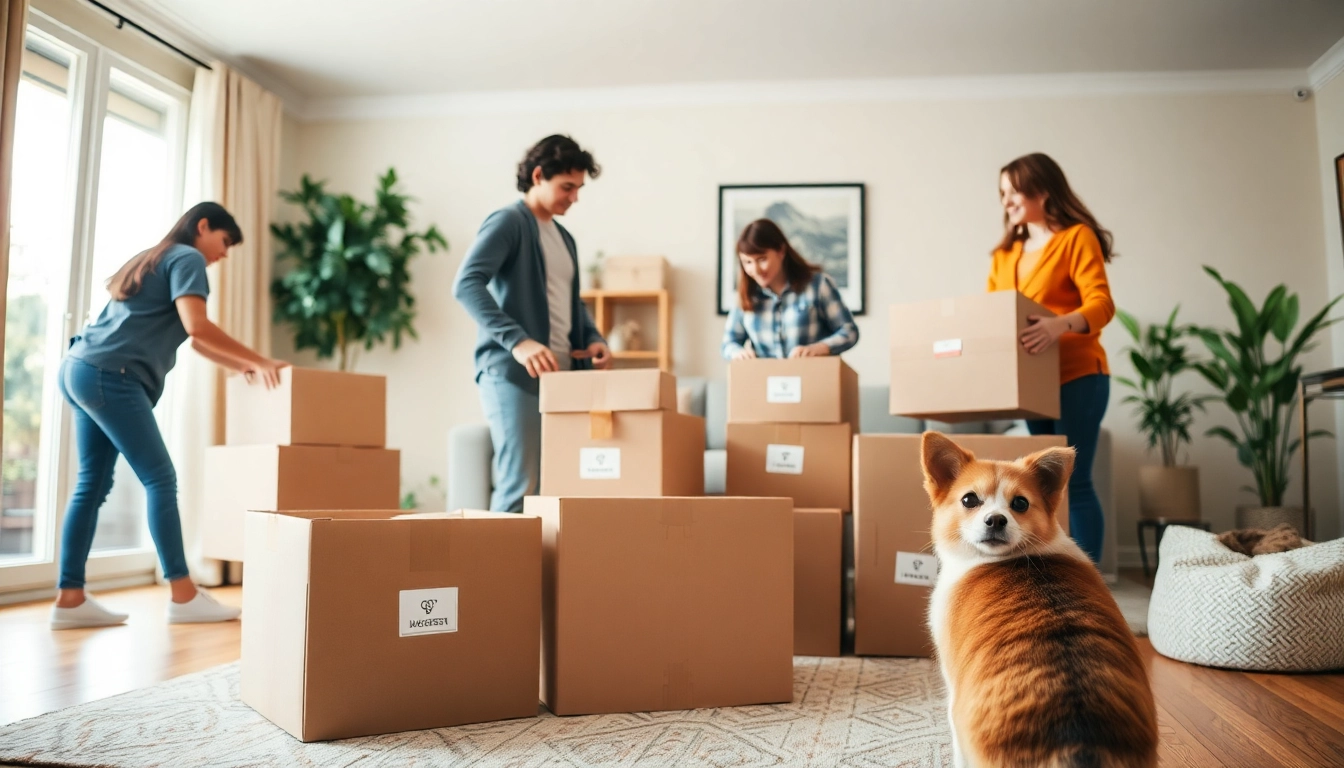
[559, 290]
[140, 335]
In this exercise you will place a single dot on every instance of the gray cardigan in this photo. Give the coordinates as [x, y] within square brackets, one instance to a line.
[502, 284]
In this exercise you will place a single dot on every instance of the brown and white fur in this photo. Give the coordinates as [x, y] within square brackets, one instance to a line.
[1041, 668]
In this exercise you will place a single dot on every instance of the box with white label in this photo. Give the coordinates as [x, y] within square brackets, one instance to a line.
[809, 463]
[622, 453]
[962, 360]
[805, 390]
[361, 623]
[894, 564]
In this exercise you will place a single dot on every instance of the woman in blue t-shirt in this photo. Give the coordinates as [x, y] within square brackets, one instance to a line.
[113, 376]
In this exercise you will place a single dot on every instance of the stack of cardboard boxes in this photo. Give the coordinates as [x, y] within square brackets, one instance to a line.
[315, 442]
[654, 597]
[622, 589]
[790, 427]
[953, 360]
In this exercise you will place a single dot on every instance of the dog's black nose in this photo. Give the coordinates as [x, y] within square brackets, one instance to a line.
[996, 522]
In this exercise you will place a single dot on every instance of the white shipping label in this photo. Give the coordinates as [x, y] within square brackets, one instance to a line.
[784, 459]
[428, 611]
[917, 569]
[600, 463]
[784, 389]
[947, 348]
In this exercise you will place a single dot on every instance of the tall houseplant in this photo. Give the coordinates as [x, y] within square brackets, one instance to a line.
[1159, 356]
[349, 282]
[1260, 386]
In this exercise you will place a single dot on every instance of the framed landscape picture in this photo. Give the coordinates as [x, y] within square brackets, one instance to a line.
[823, 222]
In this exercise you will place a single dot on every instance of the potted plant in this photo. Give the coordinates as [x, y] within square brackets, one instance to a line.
[1261, 389]
[348, 283]
[1169, 490]
[593, 272]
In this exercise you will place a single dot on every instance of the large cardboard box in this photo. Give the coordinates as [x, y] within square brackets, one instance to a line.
[895, 567]
[817, 540]
[359, 624]
[617, 433]
[806, 390]
[665, 604]
[310, 407]
[961, 360]
[809, 463]
[239, 478]
[634, 273]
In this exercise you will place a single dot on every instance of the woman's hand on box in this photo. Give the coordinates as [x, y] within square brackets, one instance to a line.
[1042, 332]
[744, 353]
[268, 372]
[811, 350]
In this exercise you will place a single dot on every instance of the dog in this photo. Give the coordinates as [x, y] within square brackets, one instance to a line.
[1041, 668]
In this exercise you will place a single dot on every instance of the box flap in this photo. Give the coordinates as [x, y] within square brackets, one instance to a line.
[627, 390]
[275, 640]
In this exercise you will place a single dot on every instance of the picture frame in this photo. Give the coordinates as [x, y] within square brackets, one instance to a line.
[825, 223]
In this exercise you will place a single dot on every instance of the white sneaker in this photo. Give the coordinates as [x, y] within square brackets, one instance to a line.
[200, 609]
[89, 613]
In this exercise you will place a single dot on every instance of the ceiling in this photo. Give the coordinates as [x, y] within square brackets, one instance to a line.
[345, 48]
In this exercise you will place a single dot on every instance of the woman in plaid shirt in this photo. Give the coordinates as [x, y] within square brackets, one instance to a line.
[786, 306]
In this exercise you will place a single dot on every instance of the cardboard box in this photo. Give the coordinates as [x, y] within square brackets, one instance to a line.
[961, 360]
[809, 463]
[895, 567]
[627, 453]
[806, 390]
[358, 624]
[239, 478]
[665, 604]
[310, 407]
[817, 539]
[634, 273]
[608, 391]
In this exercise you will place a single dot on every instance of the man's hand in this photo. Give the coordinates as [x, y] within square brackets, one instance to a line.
[598, 352]
[536, 357]
[811, 350]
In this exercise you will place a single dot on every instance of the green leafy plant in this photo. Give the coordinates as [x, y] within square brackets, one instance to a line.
[411, 499]
[1159, 356]
[348, 282]
[1260, 385]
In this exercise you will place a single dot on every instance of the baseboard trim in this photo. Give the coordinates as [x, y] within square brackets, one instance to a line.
[98, 585]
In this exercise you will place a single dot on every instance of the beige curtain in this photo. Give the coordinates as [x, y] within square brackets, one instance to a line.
[233, 158]
[13, 17]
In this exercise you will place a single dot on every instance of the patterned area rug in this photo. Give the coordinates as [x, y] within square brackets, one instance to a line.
[858, 712]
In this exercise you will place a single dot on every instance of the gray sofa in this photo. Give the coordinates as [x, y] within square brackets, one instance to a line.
[470, 451]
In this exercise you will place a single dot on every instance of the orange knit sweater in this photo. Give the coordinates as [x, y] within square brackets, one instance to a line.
[1070, 277]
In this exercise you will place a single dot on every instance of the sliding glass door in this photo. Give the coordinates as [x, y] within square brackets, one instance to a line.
[99, 145]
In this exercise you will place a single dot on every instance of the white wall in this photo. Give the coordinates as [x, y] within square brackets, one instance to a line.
[1182, 179]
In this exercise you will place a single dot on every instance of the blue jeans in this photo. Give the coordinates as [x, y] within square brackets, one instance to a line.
[1082, 403]
[114, 416]
[515, 430]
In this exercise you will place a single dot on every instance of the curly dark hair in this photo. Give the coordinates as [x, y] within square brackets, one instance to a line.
[555, 154]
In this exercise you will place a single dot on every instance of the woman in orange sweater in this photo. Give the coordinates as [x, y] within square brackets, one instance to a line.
[1054, 252]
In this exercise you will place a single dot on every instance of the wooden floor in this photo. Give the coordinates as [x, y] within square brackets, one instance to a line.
[1207, 717]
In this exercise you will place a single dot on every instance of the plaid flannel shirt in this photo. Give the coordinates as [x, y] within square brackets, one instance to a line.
[779, 323]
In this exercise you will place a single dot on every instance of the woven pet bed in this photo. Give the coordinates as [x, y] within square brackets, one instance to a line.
[1281, 612]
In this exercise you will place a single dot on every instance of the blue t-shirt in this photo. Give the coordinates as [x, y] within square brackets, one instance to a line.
[140, 336]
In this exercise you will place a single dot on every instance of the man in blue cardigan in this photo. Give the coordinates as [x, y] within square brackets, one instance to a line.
[519, 282]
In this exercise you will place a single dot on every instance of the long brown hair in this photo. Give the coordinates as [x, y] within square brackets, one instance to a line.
[1038, 174]
[764, 235]
[127, 281]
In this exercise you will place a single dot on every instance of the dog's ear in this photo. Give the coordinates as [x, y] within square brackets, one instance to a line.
[943, 462]
[1051, 469]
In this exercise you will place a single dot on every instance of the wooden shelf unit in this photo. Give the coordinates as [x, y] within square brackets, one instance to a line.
[603, 305]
